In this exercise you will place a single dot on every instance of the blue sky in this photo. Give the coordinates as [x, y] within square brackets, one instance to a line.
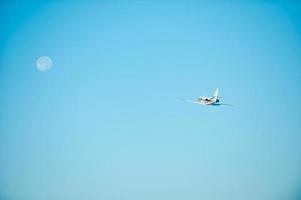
[107, 121]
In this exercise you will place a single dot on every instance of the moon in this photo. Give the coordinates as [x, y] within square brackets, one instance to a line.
[44, 63]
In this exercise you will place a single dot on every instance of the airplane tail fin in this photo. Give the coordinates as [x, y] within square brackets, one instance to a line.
[215, 95]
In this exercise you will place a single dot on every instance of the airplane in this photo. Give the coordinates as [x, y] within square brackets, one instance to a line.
[209, 101]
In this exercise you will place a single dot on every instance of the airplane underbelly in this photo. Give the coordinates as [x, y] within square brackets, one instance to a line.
[210, 102]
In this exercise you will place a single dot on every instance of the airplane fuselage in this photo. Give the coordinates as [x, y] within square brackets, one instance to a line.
[207, 100]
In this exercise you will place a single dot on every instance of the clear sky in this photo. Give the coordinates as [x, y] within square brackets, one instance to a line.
[107, 121]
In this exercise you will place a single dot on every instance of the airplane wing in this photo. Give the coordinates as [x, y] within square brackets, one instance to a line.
[221, 104]
[213, 104]
[191, 101]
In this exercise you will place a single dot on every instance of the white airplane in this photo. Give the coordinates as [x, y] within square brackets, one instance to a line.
[212, 101]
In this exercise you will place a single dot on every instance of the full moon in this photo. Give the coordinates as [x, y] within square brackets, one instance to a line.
[44, 63]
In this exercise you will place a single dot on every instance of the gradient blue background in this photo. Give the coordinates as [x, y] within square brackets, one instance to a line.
[106, 122]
